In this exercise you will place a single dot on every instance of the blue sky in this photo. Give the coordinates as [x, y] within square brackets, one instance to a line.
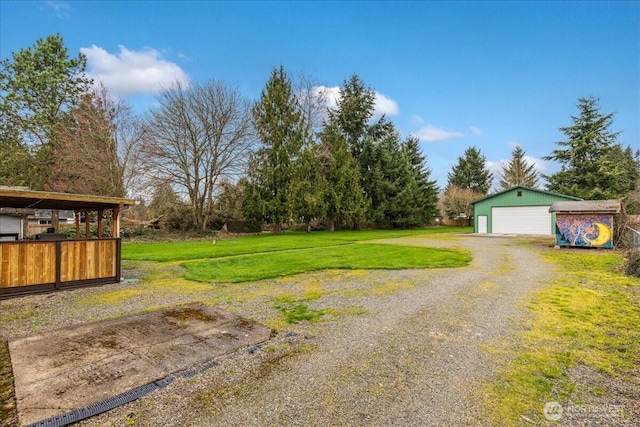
[456, 74]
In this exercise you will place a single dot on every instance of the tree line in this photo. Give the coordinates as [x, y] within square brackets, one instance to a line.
[203, 154]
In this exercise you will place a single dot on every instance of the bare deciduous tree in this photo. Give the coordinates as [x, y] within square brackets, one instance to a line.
[456, 203]
[312, 103]
[195, 138]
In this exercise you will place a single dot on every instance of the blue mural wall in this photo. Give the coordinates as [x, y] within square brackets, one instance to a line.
[588, 230]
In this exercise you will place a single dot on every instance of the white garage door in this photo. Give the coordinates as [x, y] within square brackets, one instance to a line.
[10, 225]
[521, 220]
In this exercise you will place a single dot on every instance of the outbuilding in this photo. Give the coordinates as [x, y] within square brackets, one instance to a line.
[53, 261]
[518, 210]
[587, 223]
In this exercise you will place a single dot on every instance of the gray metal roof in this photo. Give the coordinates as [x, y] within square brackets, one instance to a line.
[584, 206]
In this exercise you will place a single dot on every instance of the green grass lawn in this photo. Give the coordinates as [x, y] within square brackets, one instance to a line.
[203, 249]
[347, 256]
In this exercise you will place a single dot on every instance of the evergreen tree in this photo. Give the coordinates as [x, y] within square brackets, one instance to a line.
[593, 165]
[38, 87]
[427, 189]
[518, 171]
[353, 118]
[308, 186]
[279, 125]
[15, 162]
[354, 112]
[471, 172]
[392, 187]
[343, 195]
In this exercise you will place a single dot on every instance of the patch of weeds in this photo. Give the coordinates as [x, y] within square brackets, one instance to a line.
[8, 410]
[18, 315]
[632, 265]
[110, 298]
[587, 316]
[354, 310]
[485, 287]
[380, 289]
[294, 311]
[131, 419]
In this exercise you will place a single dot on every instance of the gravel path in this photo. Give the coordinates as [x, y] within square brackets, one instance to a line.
[409, 357]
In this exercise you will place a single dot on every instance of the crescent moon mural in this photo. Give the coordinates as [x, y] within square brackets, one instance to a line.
[603, 237]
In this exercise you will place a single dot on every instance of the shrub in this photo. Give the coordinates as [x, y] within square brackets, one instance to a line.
[632, 266]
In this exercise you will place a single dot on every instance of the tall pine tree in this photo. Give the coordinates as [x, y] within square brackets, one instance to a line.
[593, 165]
[427, 197]
[391, 183]
[354, 112]
[471, 172]
[518, 171]
[344, 201]
[272, 167]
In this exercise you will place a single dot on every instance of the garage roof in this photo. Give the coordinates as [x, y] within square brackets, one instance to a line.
[587, 206]
[20, 198]
[521, 187]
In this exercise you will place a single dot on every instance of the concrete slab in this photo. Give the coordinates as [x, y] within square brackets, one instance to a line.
[72, 368]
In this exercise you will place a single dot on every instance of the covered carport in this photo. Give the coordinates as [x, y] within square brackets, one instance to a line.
[52, 261]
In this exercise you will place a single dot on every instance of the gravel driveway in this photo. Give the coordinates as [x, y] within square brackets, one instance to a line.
[413, 356]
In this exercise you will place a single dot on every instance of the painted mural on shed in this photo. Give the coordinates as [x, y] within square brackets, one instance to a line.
[588, 223]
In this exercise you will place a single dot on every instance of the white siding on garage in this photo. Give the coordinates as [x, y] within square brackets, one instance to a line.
[521, 220]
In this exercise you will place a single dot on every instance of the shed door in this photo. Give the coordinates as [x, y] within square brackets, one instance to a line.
[482, 224]
[521, 220]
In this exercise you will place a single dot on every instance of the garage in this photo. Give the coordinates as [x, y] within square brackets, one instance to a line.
[521, 220]
[518, 210]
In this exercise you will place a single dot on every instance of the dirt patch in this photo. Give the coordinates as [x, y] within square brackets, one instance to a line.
[8, 411]
[68, 369]
[190, 313]
[602, 399]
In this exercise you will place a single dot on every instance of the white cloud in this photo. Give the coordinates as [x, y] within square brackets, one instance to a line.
[416, 119]
[330, 94]
[59, 7]
[130, 72]
[383, 104]
[541, 165]
[476, 131]
[513, 144]
[431, 133]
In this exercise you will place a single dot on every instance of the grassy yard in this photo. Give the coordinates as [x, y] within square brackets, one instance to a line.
[348, 256]
[268, 256]
[585, 320]
[201, 249]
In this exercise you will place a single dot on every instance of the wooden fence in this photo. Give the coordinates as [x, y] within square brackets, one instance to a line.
[41, 266]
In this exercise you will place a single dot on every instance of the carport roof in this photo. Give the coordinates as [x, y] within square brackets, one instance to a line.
[522, 187]
[587, 206]
[20, 198]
